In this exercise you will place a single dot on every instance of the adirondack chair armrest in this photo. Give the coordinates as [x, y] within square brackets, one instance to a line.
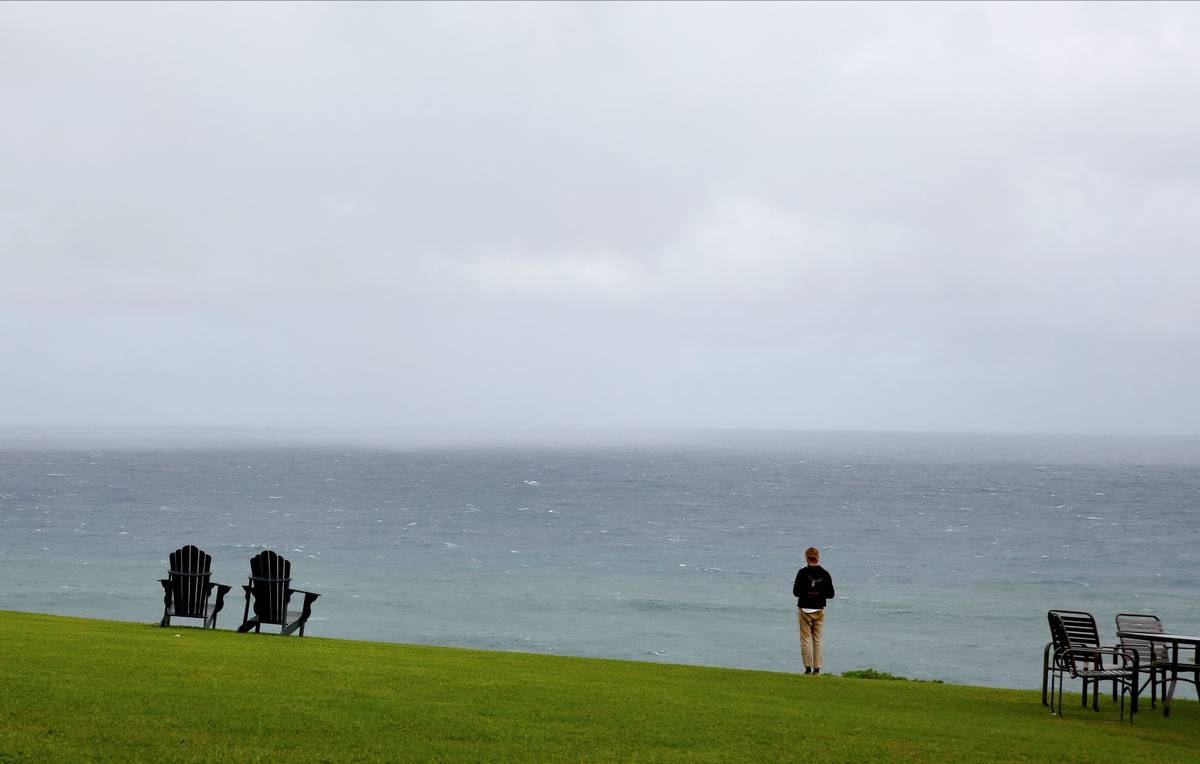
[166, 585]
[222, 590]
[309, 599]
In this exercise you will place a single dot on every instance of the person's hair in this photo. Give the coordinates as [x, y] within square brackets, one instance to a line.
[811, 554]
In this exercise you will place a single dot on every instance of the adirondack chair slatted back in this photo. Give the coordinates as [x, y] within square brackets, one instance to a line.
[1073, 628]
[270, 579]
[1148, 652]
[190, 573]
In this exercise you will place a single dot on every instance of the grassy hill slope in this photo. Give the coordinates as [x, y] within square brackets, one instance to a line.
[75, 689]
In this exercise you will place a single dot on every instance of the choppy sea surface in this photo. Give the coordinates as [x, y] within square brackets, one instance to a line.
[946, 550]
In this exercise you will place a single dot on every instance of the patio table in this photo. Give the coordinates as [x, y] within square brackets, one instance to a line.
[1174, 640]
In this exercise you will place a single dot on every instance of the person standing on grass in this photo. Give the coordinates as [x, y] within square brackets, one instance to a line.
[813, 587]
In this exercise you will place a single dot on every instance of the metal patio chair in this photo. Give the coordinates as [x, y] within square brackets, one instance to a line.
[1158, 659]
[1078, 654]
[1152, 657]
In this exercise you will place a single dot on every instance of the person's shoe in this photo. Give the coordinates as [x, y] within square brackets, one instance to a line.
[807, 670]
[816, 671]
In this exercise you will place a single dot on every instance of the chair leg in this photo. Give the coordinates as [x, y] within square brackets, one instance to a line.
[1050, 680]
[1114, 682]
[1045, 670]
[1062, 680]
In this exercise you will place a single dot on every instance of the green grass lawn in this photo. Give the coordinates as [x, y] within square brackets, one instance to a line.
[81, 689]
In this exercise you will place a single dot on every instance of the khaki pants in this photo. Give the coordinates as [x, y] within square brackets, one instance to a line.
[810, 637]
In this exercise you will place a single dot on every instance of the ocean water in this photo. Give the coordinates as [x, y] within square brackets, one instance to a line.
[946, 550]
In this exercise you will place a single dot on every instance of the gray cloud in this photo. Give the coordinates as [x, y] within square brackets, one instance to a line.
[917, 216]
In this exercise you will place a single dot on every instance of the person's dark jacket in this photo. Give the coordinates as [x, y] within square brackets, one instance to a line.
[813, 587]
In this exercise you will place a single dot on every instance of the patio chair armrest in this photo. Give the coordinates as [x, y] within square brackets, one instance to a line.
[1124, 654]
[1090, 650]
[166, 585]
[314, 595]
[1130, 655]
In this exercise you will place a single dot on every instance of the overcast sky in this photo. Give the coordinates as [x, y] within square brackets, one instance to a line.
[836, 216]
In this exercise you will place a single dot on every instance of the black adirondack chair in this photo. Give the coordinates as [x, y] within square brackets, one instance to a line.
[271, 589]
[188, 588]
[1078, 653]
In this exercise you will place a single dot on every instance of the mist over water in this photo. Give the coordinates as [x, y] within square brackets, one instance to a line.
[946, 549]
[822, 216]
